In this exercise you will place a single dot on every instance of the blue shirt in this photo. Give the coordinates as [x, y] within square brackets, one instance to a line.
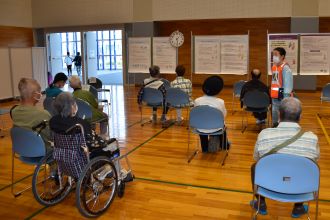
[287, 81]
[53, 91]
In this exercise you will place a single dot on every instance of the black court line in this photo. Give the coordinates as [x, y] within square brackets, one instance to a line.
[205, 187]
[20, 180]
[131, 151]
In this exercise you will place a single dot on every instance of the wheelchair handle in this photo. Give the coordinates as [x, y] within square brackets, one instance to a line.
[42, 125]
[76, 126]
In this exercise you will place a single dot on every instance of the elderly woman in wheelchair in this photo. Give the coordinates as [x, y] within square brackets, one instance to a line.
[80, 159]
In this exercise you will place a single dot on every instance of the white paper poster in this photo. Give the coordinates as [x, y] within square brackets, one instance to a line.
[139, 54]
[164, 55]
[234, 55]
[314, 55]
[290, 43]
[207, 54]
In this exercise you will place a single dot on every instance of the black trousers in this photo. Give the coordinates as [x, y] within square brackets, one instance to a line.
[262, 199]
[69, 67]
[205, 141]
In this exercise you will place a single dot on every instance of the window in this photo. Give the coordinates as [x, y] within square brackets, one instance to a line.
[70, 43]
[109, 50]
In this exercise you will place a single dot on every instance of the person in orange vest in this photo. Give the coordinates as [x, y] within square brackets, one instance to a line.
[282, 82]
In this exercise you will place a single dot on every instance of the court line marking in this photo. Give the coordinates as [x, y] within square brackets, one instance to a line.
[323, 128]
[17, 181]
[131, 151]
[205, 187]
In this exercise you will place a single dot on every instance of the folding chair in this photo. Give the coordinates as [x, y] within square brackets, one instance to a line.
[237, 88]
[176, 98]
[94, 91]
[98, 85]
[287, 178]
[48, 105]
[30, 149]
[206, 117]
[255, 101]
[3, 112]
[152, 98]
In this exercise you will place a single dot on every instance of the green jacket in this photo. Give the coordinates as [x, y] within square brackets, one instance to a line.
[90, 99]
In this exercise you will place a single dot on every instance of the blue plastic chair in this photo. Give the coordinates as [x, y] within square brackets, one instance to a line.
[254, 101]
[84, 109]
[29, 147]
[48, 105]
[205, 117]
[287, 178]
[176, 98]
[167, 83]
[237, 88]
[325, 94]
[152, 98]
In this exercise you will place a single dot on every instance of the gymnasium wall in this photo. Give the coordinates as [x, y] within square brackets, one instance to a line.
[16, 36]
[16, 13]
[258, 39]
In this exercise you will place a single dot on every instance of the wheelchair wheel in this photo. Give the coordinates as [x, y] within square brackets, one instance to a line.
[121, 189]
[48, 186]
[97, 187]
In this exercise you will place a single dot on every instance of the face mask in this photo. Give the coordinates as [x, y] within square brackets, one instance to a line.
[276, 59]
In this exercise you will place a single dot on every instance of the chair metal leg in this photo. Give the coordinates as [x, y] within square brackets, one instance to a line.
[190, 156]
[244, 127]
[317, 207]
[12, 179]
[232, 105]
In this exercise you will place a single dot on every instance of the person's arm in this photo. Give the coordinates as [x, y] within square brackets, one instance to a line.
[190, 89]
[287, 81]
[91, 100]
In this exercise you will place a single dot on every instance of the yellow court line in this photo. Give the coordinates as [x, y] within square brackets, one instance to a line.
[323, 128]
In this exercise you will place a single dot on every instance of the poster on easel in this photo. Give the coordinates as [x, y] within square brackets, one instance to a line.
[207, 55]
[164, 54]
[234, 54]
[315, 55]
[139, 54]
[290, 43]
[221, 54]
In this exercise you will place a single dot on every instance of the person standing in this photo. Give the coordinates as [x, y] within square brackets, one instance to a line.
[77, 63]
[282, 82]
[68, 62]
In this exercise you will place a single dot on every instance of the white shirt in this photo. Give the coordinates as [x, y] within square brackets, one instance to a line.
[68, 60]
[213, 102]
[154, 85]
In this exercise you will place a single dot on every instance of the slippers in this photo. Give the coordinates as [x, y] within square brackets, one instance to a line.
[262, 208]
[296, 213]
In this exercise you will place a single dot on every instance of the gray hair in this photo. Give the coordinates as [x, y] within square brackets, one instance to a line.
[27, 87]
[290, 110]
[75, 82]
[63, 104]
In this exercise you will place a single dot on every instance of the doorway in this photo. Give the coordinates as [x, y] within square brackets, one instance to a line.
[104, 55]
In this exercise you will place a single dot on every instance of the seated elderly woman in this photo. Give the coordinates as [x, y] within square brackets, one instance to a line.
[88, 97]
[66, 107]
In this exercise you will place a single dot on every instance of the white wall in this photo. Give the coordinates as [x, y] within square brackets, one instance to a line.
[16, 13]
[52, 13]
[212, 9]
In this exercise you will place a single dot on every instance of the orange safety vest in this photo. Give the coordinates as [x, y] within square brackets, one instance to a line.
[277, 80]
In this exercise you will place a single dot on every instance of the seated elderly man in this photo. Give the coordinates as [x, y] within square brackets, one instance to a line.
[27, 114]
[305, 146]
[255, 84]
[88, 97]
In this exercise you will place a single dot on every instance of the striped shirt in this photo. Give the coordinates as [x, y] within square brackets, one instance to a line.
[183, 84]
[306, 146]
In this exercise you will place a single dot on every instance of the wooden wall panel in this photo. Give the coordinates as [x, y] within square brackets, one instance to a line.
[324, 26]
[258, 39]
[16, 37]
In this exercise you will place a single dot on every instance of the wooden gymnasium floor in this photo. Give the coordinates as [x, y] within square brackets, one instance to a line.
[166, 186]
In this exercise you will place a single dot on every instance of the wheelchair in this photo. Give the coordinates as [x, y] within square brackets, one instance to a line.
[96, 181]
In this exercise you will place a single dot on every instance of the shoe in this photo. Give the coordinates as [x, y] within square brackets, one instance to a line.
[153, 118]
[260, 122]
[299, 211]
[262, 208]
[179, 121]
[163, 118]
